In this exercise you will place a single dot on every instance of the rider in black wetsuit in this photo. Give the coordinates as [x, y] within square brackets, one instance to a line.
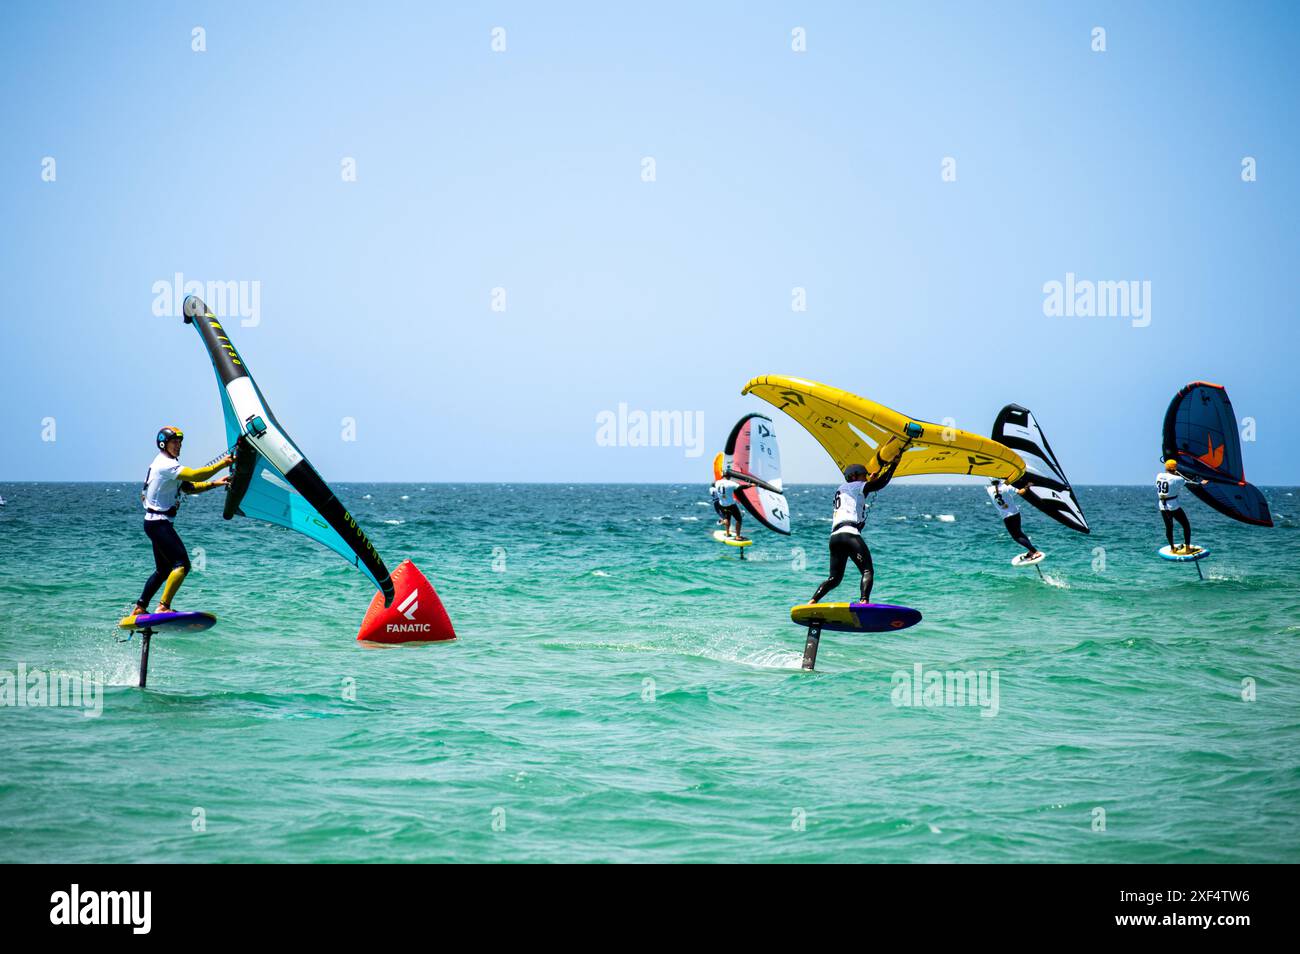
[846, 528]
[1168, 485]
[1003, 495]
[165, 481]
[723, 493]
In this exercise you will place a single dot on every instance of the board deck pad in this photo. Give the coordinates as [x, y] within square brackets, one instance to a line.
[187, 622]
[721, 537]
[855, 617]
[1198, 553]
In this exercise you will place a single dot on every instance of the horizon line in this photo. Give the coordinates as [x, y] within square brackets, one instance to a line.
[911, 482]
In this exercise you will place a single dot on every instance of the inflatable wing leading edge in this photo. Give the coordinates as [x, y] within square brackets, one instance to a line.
[273, 481]
[1200, 432]
[857, 431]
[753, 458]
[1050, 491]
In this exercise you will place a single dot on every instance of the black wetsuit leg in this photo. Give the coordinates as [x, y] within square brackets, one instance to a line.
[168, 554]
[845, 547]
[1181, 516]
[733, 512]
[861, 556]
[1013, 528]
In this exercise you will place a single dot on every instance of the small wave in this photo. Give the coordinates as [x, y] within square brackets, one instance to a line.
[394, 523]
[728, 650]
[1220, 576]
[599, 573]
[947, 518]
[773, 659]
[691, 518]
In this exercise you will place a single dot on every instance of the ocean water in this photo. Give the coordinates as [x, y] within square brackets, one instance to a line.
[626, 689]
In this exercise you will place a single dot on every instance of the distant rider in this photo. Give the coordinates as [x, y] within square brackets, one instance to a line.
[715, 497]
[850, 516]
[1004, 496]
[723, 493]
[163, 485]
[1168, 486]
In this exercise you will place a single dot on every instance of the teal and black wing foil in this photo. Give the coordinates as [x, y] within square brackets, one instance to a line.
[272, 480]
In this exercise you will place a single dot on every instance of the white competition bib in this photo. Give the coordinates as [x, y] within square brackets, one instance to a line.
[162, 487]
[1168, 487]
[1006, 502]
[850, 509]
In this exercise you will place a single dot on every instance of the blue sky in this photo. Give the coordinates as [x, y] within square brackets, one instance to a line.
[523, 170]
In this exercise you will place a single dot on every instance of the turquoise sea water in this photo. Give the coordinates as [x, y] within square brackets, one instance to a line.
[626, 689]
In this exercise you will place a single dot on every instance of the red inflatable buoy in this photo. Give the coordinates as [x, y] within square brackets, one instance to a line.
[415, 616]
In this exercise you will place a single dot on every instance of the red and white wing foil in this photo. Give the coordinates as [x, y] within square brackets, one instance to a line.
[753, 452]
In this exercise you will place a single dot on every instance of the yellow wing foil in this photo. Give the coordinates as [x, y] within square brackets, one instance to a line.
[857, 431]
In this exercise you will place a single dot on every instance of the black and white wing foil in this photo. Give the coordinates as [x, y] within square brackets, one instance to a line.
[1049, 490]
